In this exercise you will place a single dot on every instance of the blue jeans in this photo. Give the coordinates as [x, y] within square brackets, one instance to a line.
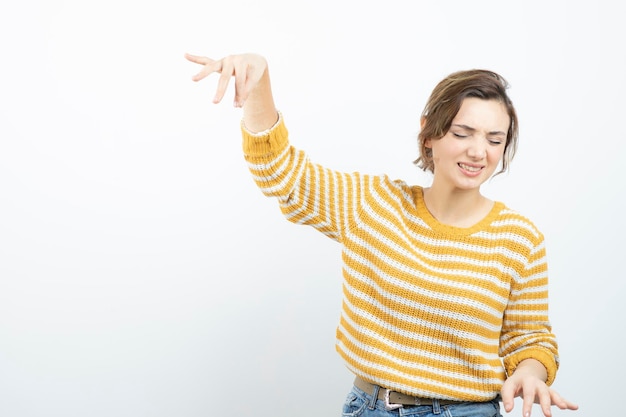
[360, 404]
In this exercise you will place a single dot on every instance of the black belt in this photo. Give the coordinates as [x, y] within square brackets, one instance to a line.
[394, 399]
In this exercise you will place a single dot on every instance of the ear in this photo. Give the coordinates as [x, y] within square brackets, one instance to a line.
[427, 142]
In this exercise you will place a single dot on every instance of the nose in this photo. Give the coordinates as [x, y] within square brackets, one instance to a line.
[477, 149]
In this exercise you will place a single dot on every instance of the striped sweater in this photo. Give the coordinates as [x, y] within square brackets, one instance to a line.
[428, 309]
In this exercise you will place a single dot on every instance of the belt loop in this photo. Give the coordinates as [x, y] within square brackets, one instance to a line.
[372, 404]
[436, 406]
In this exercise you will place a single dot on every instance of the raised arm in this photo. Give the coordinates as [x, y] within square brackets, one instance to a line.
[253, 90]
[308, 193]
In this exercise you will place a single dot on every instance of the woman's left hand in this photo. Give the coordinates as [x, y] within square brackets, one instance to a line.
[526, 382]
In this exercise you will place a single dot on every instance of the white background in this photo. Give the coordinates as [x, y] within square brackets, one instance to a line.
[143, 274]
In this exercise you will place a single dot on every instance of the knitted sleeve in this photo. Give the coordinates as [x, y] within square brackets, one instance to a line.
[307, 193]
[526, 330]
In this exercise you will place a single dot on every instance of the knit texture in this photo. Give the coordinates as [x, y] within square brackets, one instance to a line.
[428, 309]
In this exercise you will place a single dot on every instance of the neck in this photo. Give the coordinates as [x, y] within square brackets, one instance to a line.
[462, 208]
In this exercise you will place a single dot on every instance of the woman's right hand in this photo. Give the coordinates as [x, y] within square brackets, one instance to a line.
[246, 68]
[252, 86]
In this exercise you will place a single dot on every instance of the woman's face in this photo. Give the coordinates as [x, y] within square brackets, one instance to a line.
[469, 153]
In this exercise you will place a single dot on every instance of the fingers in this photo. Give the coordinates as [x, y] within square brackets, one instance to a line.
[224, 66]
[229, 67]
[528, 399]
[532, 393]
[227, 71]
[561, 402]
[209, 66]
[507, 398]
[544, 398]
[567, 405]
[246, 68]
[241, 80]
[197, 59]
[510, 390]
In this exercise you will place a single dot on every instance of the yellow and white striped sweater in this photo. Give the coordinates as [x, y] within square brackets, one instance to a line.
[428, 309]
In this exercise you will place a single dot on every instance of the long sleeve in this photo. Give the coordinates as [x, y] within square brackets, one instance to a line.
[308, 193]
[526, 331]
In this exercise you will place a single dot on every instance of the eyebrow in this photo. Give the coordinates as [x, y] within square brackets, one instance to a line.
[471, 129]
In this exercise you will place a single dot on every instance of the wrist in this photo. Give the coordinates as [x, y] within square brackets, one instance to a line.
[259, 111]
[532, 367]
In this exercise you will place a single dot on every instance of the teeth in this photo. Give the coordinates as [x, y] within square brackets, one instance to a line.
[469, 168]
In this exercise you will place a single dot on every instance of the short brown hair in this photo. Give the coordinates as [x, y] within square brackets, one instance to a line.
[445, 102]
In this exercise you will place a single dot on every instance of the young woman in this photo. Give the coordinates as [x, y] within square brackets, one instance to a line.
[445, 291]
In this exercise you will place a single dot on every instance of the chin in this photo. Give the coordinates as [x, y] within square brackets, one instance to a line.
[470, 185]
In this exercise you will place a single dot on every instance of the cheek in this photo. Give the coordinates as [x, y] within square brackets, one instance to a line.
[439, 156]
[448, 151]
[496, 154]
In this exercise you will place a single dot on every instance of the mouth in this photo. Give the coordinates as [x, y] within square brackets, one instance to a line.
[470, 168]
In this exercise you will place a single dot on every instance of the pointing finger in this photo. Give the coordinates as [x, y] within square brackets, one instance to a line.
[209, 66]
[202, 60]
